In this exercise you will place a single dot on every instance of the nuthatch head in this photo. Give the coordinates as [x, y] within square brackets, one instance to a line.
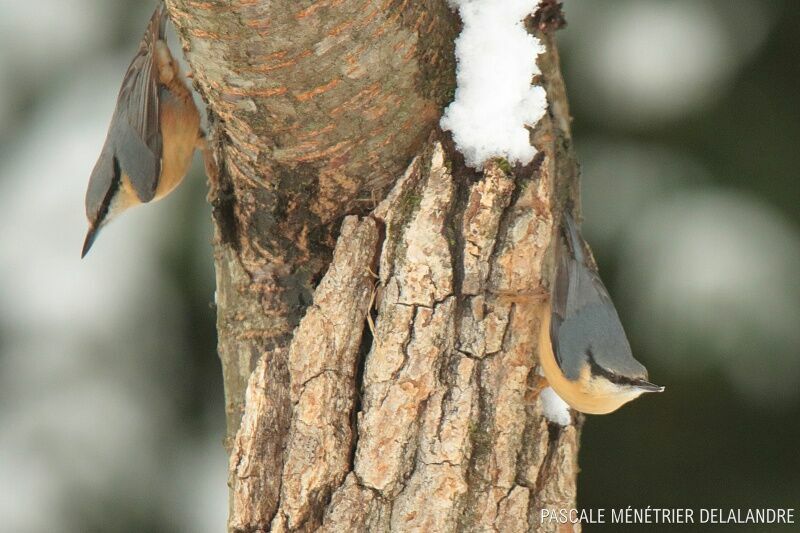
[583, 350]
[154, 131]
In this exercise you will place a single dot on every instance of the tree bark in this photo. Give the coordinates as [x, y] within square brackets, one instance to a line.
[378, 302]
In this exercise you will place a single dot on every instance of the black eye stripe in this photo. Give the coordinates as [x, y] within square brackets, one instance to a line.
[112, 191]
[598, 370]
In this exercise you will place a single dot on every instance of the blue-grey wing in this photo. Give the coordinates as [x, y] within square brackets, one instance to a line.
[569, 359]
[102, 186]
[585, 327]
[136, 132]
[566, 336]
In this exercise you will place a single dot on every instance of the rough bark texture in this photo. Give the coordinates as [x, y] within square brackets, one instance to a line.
[379, 356]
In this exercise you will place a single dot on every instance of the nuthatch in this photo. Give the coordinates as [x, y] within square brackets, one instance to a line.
[583, 350]
[153, 134]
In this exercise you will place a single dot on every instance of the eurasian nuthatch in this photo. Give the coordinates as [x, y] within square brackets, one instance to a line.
[583, 350]
[153, 134]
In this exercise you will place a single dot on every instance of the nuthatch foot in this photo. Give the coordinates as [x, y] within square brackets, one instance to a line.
[153, 134]
[583, 350]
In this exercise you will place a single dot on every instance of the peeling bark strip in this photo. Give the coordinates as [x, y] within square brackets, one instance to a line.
[432, 422]
[322, 359]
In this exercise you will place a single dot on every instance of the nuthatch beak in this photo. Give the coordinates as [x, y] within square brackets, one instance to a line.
[153, 134]
[583, 350]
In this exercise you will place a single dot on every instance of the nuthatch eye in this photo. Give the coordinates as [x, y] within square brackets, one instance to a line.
[583, 350]
[153, 134]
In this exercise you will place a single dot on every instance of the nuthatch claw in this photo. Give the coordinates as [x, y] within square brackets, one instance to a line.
[583, 350]
[152, 136]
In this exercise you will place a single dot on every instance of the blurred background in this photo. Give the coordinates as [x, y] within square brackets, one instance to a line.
[686, 124]
[111, 407]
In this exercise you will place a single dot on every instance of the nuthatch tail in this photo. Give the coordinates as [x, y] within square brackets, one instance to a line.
[154, 131]
[583, 350]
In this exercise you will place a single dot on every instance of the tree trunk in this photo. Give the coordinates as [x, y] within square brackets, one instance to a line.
[378, 302]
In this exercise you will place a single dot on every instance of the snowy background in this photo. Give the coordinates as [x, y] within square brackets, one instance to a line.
[687, 126]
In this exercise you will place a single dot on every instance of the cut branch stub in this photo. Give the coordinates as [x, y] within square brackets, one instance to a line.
[333, 96]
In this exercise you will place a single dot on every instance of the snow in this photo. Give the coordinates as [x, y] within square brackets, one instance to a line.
[555, 409]
[495, 100]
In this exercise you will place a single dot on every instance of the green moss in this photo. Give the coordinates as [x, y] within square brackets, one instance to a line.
[449, 94]
[408, 205]
[523, 184]
[481, 441]
[503, 164]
